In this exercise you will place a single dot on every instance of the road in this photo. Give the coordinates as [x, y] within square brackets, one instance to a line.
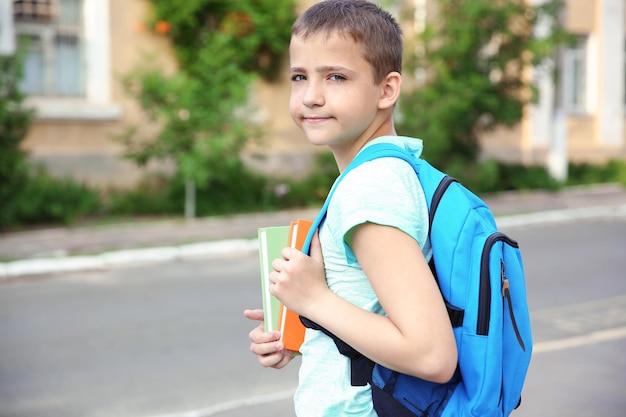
[170, 339]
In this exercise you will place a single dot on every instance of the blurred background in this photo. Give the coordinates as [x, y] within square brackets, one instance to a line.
[149, 107]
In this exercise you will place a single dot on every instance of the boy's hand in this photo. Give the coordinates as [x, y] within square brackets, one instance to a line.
[266, 345]
[298, 280]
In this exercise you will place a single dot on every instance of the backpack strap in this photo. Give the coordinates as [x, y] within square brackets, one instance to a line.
[371, 152]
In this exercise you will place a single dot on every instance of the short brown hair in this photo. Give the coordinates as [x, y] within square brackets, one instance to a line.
[373, 28]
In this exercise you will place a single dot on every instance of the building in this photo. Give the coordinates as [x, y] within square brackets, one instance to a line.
[580, 118]
[80, 50]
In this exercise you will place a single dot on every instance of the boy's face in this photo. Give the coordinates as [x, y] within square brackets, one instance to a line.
[333, 96]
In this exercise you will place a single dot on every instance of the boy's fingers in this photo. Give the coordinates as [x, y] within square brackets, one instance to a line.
[264, 343]
[275, 360]
[285, 358]
[258, 335]
[254, 314]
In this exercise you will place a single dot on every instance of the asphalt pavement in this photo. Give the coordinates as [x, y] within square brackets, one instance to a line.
[63, 249]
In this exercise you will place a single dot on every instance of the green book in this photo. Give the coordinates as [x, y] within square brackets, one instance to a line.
[272, 240]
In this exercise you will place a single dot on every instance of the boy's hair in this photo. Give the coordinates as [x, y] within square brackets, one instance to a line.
[374, 29]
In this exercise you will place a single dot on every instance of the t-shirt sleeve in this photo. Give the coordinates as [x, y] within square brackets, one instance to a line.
[384, 191]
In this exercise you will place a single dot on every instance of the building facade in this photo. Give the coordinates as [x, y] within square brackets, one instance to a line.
[79, 50]
[580, 116]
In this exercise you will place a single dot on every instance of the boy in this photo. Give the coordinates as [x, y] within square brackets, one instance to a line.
[367, 280]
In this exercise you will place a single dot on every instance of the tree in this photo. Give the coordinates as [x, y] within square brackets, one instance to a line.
[201, 113]
[472, 59]
[14, 123]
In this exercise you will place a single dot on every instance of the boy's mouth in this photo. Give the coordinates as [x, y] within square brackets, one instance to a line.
[315, 119]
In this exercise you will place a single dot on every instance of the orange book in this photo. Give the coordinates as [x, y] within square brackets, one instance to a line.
[291, 328]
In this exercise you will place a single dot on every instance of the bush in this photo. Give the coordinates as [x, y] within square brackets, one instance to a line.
[14, 123]
[48, 200]
[493, 176]
[585, 173]
[151, 197]
[45, 199]
[314, 188]
[234, 189]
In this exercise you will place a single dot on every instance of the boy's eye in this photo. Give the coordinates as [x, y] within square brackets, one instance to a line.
[298, 77]
[337, 77]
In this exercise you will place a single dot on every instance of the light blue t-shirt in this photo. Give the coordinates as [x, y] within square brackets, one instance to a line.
[383, 191]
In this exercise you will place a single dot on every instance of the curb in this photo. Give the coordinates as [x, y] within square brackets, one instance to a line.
[561, 216]
[121, 258]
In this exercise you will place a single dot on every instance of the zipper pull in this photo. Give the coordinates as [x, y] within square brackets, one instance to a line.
[507, 294]
[504, 279]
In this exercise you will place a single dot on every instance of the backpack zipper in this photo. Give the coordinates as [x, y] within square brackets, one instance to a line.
[506, 294]
[484, 295]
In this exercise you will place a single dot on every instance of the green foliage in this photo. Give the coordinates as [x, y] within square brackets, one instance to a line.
[312, 190]
[201, 114]
[14, 122]
[493, 176]
[28, 194]
[586, 173]
[236, 190]
[253, 34]
[519, 177]
[200, 131]
[472, 58]
[49, 200]
[151, 197]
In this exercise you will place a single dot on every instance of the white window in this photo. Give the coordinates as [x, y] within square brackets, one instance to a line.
[574, 77]
[66, 68]
[54, 64]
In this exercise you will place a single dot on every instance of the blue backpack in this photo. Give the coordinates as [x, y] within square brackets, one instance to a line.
[481, 277]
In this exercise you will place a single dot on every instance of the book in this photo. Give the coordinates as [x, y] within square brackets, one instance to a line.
[292, 329]
[276, 315]
[272, 240]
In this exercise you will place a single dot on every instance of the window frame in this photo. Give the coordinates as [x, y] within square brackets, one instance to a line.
[575, 73]
[95, 103]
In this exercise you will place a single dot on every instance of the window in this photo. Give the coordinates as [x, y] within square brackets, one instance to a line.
[54, 64]
[574, 77]
[35, 10]
[67, 73]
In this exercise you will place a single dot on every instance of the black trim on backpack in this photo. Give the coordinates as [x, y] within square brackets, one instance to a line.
[361, 367]
[456, 314]
[441, 189]
[484, 295]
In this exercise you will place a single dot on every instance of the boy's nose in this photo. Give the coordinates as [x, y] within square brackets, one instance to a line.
[313, 96]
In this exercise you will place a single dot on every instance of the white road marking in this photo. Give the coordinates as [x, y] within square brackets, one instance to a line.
[235, 404]
[541, 347]
[582, 340]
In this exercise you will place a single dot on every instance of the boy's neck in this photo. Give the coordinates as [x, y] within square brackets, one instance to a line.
[344, 153]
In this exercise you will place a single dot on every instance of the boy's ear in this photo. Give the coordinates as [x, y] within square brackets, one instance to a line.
[390, 90]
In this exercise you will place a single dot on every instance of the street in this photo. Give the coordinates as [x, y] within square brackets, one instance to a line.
[170, 339]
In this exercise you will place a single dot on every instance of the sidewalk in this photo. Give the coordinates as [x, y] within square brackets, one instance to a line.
[65, 249]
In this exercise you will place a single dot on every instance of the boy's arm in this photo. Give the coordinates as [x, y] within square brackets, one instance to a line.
[418, 333]
[415, 337]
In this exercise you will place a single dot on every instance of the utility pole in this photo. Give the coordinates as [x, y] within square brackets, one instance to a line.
[557, 161]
